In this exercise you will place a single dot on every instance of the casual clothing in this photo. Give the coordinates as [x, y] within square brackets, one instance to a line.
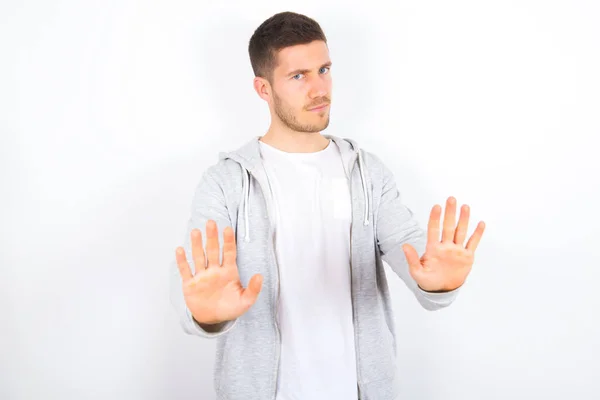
[313, 212]
[258, 351]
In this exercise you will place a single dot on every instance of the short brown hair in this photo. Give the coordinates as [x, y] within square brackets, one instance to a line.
[277, 32]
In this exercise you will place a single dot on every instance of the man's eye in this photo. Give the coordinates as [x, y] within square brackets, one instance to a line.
[297, 76]
[327, 68]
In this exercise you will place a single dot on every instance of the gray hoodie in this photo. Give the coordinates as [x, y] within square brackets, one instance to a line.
[235, 192]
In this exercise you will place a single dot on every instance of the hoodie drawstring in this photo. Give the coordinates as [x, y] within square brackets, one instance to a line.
[364, 184]
[247, 196]
[246, 205]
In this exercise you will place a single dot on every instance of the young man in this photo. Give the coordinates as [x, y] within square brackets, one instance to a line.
[298, 298]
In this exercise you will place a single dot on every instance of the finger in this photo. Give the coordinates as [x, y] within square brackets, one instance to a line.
[433, 227]
[463, 224]
[476, 237]
[198, 250]
[250, 294]
[182, 264]
[212, 244]
[412, 258]
[449, 220]
[229, 250]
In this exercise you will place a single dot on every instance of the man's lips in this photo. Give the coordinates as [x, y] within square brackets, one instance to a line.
[320, 107]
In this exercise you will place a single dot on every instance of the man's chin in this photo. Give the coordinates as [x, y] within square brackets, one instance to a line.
[310, 127]
[320, 126]
[324, 125]
[315, 128]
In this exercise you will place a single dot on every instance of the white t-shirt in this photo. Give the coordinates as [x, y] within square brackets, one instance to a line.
[313, 218]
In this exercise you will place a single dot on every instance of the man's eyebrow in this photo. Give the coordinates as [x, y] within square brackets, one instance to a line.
[303, 71]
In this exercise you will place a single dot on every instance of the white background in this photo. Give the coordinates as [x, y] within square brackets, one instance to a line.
[110, 111]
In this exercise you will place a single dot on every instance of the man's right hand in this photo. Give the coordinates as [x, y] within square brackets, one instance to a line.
[215, 293]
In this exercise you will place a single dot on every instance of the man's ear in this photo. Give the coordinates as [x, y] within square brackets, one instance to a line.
[262, 88]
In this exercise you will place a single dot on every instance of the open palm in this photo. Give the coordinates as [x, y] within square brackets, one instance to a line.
[445, 264]
[214, 293]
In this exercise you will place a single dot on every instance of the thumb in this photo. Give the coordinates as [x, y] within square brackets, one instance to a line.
[412, 258]
[250, 294]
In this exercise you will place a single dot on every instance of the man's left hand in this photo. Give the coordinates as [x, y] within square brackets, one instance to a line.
[445, 264]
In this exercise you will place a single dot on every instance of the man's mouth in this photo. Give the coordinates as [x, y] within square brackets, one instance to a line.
[319, 107]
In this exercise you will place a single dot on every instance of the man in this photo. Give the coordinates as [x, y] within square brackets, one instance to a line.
[298, 298]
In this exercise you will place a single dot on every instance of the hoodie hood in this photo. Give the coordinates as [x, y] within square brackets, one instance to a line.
[249, 158]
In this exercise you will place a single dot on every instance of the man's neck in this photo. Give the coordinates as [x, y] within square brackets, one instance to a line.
[295, 142]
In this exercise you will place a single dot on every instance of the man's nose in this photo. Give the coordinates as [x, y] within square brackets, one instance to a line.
[318, 88]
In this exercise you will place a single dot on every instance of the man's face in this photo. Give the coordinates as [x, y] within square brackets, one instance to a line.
[302, 81]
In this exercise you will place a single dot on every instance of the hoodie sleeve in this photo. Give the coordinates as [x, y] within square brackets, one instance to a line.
[396, 226]
[208, 203]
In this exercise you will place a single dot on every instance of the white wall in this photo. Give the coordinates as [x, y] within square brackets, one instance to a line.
[110, 111]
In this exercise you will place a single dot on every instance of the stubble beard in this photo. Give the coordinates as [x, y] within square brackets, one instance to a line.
[290, 119]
